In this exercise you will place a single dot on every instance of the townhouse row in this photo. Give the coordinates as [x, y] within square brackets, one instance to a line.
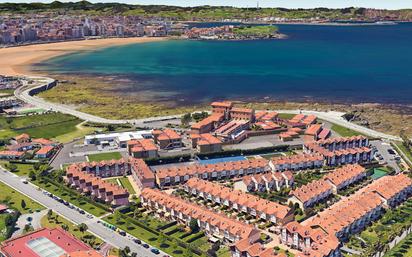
[352, 214]
[297, 162]
[274, 181]
[214, 224]
[141, 173]
[311, 242]
[175, 175]
[318, 190]
[96, 187]
[239, 201]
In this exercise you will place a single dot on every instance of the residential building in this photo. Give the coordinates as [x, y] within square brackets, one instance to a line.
[311, 193]
[274, 181]
[246, 114]
[214, 224]
[35, 243]
[244, 248]
[206, 143]
[232, 131]
[346, 175]
[167, 139]
[239, 201]
[22, 138]
[297, 162]
[45, 152]
[222, 108]
[305, 119]
[95, 187]
[11, 155]
[309, 241]
[142, 174]
[340, 151]
[142, 148]
[175, 175]
[265, 116]
[208, 124]
[352, 214]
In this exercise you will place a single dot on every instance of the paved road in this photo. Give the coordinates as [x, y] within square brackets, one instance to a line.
[23, 94]
[96, 228]
[22, 221]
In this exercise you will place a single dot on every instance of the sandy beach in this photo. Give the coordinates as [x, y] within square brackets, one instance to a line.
[17, 60]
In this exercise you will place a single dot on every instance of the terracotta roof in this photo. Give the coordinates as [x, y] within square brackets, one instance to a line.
[22, 136]
[45, 149]
[139, 145]
[168, 134]
[202, 214]
[224, 104]
[11, 153]
[313, 129]
[311, 190]
[345, 173]
[241, 198]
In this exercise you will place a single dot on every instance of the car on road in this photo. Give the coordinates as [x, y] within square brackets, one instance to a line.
[155, 251]
[137, 241]
[24, 181]
[391, 151]
[122, 233]
[146, 246]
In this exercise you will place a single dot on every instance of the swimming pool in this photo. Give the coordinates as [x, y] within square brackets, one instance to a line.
[223, 159]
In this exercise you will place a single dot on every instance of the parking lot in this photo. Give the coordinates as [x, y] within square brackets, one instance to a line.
[386, 154]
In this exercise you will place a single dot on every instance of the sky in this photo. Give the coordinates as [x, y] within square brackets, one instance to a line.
[380, 4]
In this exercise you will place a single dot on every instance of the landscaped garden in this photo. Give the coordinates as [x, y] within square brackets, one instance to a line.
[70, 195]
[381, 232]
[13, 199]
[170, 237]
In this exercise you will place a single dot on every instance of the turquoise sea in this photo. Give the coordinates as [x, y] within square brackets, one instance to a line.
[350, 64]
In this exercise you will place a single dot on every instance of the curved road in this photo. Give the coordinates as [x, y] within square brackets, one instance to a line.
[22, 93]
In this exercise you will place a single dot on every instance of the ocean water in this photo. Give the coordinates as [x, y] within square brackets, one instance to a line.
[351, 64]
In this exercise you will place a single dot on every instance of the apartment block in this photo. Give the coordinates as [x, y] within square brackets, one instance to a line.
[167, 139]
[208, 124]
[239, 201]
[142, 175]
[206, 143]
[142, 148]
[175, 175]
[244, 248]
[214, 224]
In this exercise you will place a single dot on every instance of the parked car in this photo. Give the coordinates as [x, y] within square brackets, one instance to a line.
[145, 245]
[155, 251]
[137, 241]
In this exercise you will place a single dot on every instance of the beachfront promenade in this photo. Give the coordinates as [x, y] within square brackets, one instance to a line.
[24, 94]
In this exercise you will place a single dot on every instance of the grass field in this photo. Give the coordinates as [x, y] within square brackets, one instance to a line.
[71, 197]
[404, 150]
[2, 227]
[46, 125]
[345, 132]
[13, 199]
[286, 116]
[104, 156]
[22, 169]
[124, 182]
[79, 132]
[53, 223]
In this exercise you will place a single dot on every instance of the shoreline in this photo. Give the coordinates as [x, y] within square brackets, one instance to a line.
[19, 60]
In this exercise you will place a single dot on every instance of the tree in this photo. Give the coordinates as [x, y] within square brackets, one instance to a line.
[13, 167]
[162, 239]
[186, 119]
[32, 175]
[111, 127]
[23, 204]
[65, 227]
[82, 227]
[127, 249]
[193, 225]
[37, 166]
[49, 214]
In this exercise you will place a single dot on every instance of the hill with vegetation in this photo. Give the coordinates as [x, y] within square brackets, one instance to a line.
[203, 12]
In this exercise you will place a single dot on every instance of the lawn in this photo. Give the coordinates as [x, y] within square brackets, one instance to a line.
[2, 227]
[404, 150]
[79, 132]
[126, 184]
[345, 132]
[48, 125]
[104, 156]
[72, 197]
[271, 155]
[13, 199]
[22, 169]
[86, 236]
[286, 116]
